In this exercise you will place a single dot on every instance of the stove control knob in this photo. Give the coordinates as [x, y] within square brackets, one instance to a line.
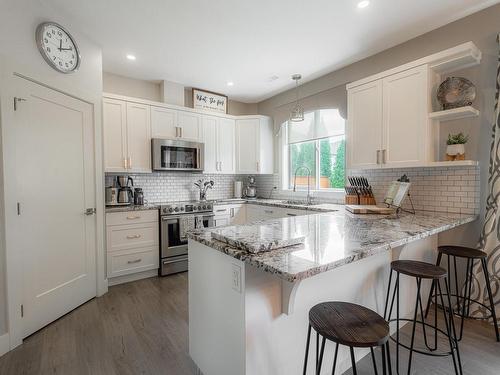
[204, 207]
[209, 207]
[182, 208]
[176, 209]
[170, 209]
[199, 207]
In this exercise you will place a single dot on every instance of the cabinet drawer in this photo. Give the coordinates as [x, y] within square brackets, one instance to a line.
[132, 261]
[120, 237]
[132, 217]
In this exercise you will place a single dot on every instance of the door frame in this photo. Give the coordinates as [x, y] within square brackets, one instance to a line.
[9, 72]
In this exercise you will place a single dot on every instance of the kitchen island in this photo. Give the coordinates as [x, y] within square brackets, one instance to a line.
[248, 313]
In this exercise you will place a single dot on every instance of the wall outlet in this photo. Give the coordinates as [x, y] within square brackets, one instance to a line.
[236, 277]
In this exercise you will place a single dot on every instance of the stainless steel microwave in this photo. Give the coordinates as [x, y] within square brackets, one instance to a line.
[176, 155]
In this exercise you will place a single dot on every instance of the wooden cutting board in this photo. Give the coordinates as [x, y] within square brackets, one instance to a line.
[366, 209]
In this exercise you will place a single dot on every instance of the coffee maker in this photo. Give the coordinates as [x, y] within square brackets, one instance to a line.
[125, 192]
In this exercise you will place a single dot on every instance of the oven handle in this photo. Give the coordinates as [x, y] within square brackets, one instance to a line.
[173, 261]
[204, 214]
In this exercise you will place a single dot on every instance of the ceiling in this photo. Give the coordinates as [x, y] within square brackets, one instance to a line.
[206, 44]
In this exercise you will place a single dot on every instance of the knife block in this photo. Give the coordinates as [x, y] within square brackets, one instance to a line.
[351, 199]
[367, 200]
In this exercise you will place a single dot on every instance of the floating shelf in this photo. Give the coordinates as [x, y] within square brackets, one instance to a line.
[454, 114]
[457, 163]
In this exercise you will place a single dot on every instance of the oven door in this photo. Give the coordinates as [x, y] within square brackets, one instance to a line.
[171, 242]
[168, 155]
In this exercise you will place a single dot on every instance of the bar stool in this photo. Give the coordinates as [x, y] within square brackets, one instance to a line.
[351, 325]
[464, 301]
[421, 271]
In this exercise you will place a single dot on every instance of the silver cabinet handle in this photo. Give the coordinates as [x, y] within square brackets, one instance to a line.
[133, 236]
[134, 261]
[232, 212]
[125, 163]
[378, 156]
[133, 217]
[268, 211]
[291, 214]
[221, 210]
[176, 131]
[384, 156]
[90, 211]
[129, 162]
[258, 167]
[181, 132]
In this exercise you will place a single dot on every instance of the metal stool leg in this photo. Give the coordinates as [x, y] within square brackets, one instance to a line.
[419, 281]
[490, 296]
[448, 328]
[307, 349]
[353, 361]
[387, 297]
[318, 368]
[388, 353]
[452, 324]
[429, 300]
[468, 279]
[374, 362]
[335, 359]
[384, 366]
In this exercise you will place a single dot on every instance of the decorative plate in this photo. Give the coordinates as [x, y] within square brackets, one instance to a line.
[456, 92]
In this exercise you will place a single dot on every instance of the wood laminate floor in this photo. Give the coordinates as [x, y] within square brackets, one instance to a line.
[142, 328]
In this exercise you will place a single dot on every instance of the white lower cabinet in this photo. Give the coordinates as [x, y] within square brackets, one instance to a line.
[132, 242]
[255, 212]
[229, 214]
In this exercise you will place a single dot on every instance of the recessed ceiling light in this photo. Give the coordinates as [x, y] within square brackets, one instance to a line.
[131, 57]
[230, 83]
[363, 4]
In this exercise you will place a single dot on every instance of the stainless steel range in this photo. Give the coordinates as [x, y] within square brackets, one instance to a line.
[176, 219]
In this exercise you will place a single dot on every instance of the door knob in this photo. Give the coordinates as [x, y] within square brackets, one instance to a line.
[90, 211]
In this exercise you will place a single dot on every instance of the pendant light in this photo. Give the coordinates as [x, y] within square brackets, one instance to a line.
[297, 113]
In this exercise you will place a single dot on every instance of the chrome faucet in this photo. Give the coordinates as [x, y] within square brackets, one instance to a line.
[308, 201]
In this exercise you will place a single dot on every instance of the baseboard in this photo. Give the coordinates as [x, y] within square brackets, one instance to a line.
[132, 277]
[4, 344]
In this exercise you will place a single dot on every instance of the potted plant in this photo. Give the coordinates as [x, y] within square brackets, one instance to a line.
[455, 149]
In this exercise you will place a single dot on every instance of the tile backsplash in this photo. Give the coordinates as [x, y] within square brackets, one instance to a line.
[178, 186]
[445, 189]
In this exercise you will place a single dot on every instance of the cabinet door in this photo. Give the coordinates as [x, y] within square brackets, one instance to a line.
[226, 145]
[210, 140]
[190, 125]
[163, 122]
[138, 137]
[247, 146]
[220, 221]
[364, 125]
[115, 135]
[238, 214]
[405, 118]
[265, 163]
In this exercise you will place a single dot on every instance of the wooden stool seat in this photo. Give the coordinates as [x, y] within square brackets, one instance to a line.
[349, 324]
[462, 252]
[418, 269]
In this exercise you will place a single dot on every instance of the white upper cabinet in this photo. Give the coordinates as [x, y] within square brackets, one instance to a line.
[163, 123]
[364, 129]
[115, 135]
[254, 145]
[406, 123]
[173, 124]
[388, 124]
[189, 126]
[138, 137]
[225, 145]
[219, 138]
[210, 141]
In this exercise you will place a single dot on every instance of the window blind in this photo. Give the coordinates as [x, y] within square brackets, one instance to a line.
[318, 124]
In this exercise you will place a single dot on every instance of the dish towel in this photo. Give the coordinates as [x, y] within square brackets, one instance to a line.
[186, 224]
[199, 222]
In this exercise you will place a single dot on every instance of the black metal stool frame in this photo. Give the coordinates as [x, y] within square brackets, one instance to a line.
[450, 332]
[386, 356]
[464, 300]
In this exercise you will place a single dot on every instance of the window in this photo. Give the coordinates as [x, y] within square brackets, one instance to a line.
[316, 144]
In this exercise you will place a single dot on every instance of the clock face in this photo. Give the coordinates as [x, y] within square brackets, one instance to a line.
[57, 47]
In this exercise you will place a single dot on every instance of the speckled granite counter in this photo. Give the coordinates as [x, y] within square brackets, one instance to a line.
[148, 206]
[332, 240]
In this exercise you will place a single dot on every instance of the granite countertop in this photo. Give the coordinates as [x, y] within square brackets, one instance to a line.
[332, 239]
[132, 207]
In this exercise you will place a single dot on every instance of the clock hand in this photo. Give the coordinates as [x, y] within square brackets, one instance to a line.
[60, 44]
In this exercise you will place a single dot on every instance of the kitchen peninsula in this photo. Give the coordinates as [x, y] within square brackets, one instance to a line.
[248, 312]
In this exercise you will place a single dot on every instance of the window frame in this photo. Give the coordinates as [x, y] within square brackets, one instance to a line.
[287, 174]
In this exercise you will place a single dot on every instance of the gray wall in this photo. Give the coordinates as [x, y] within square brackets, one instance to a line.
[481, 28]
[20, 49]
[151, 90]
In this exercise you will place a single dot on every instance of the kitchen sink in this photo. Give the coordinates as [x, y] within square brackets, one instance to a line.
[298, 202]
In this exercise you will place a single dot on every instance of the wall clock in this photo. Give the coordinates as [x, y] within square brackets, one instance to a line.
[57, 47]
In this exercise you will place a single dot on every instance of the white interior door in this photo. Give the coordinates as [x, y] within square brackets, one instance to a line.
[55, 185]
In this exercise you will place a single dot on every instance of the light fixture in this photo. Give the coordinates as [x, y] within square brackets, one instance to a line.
[230, 83]
[131, 57]
[297, 113]
[363, 4]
